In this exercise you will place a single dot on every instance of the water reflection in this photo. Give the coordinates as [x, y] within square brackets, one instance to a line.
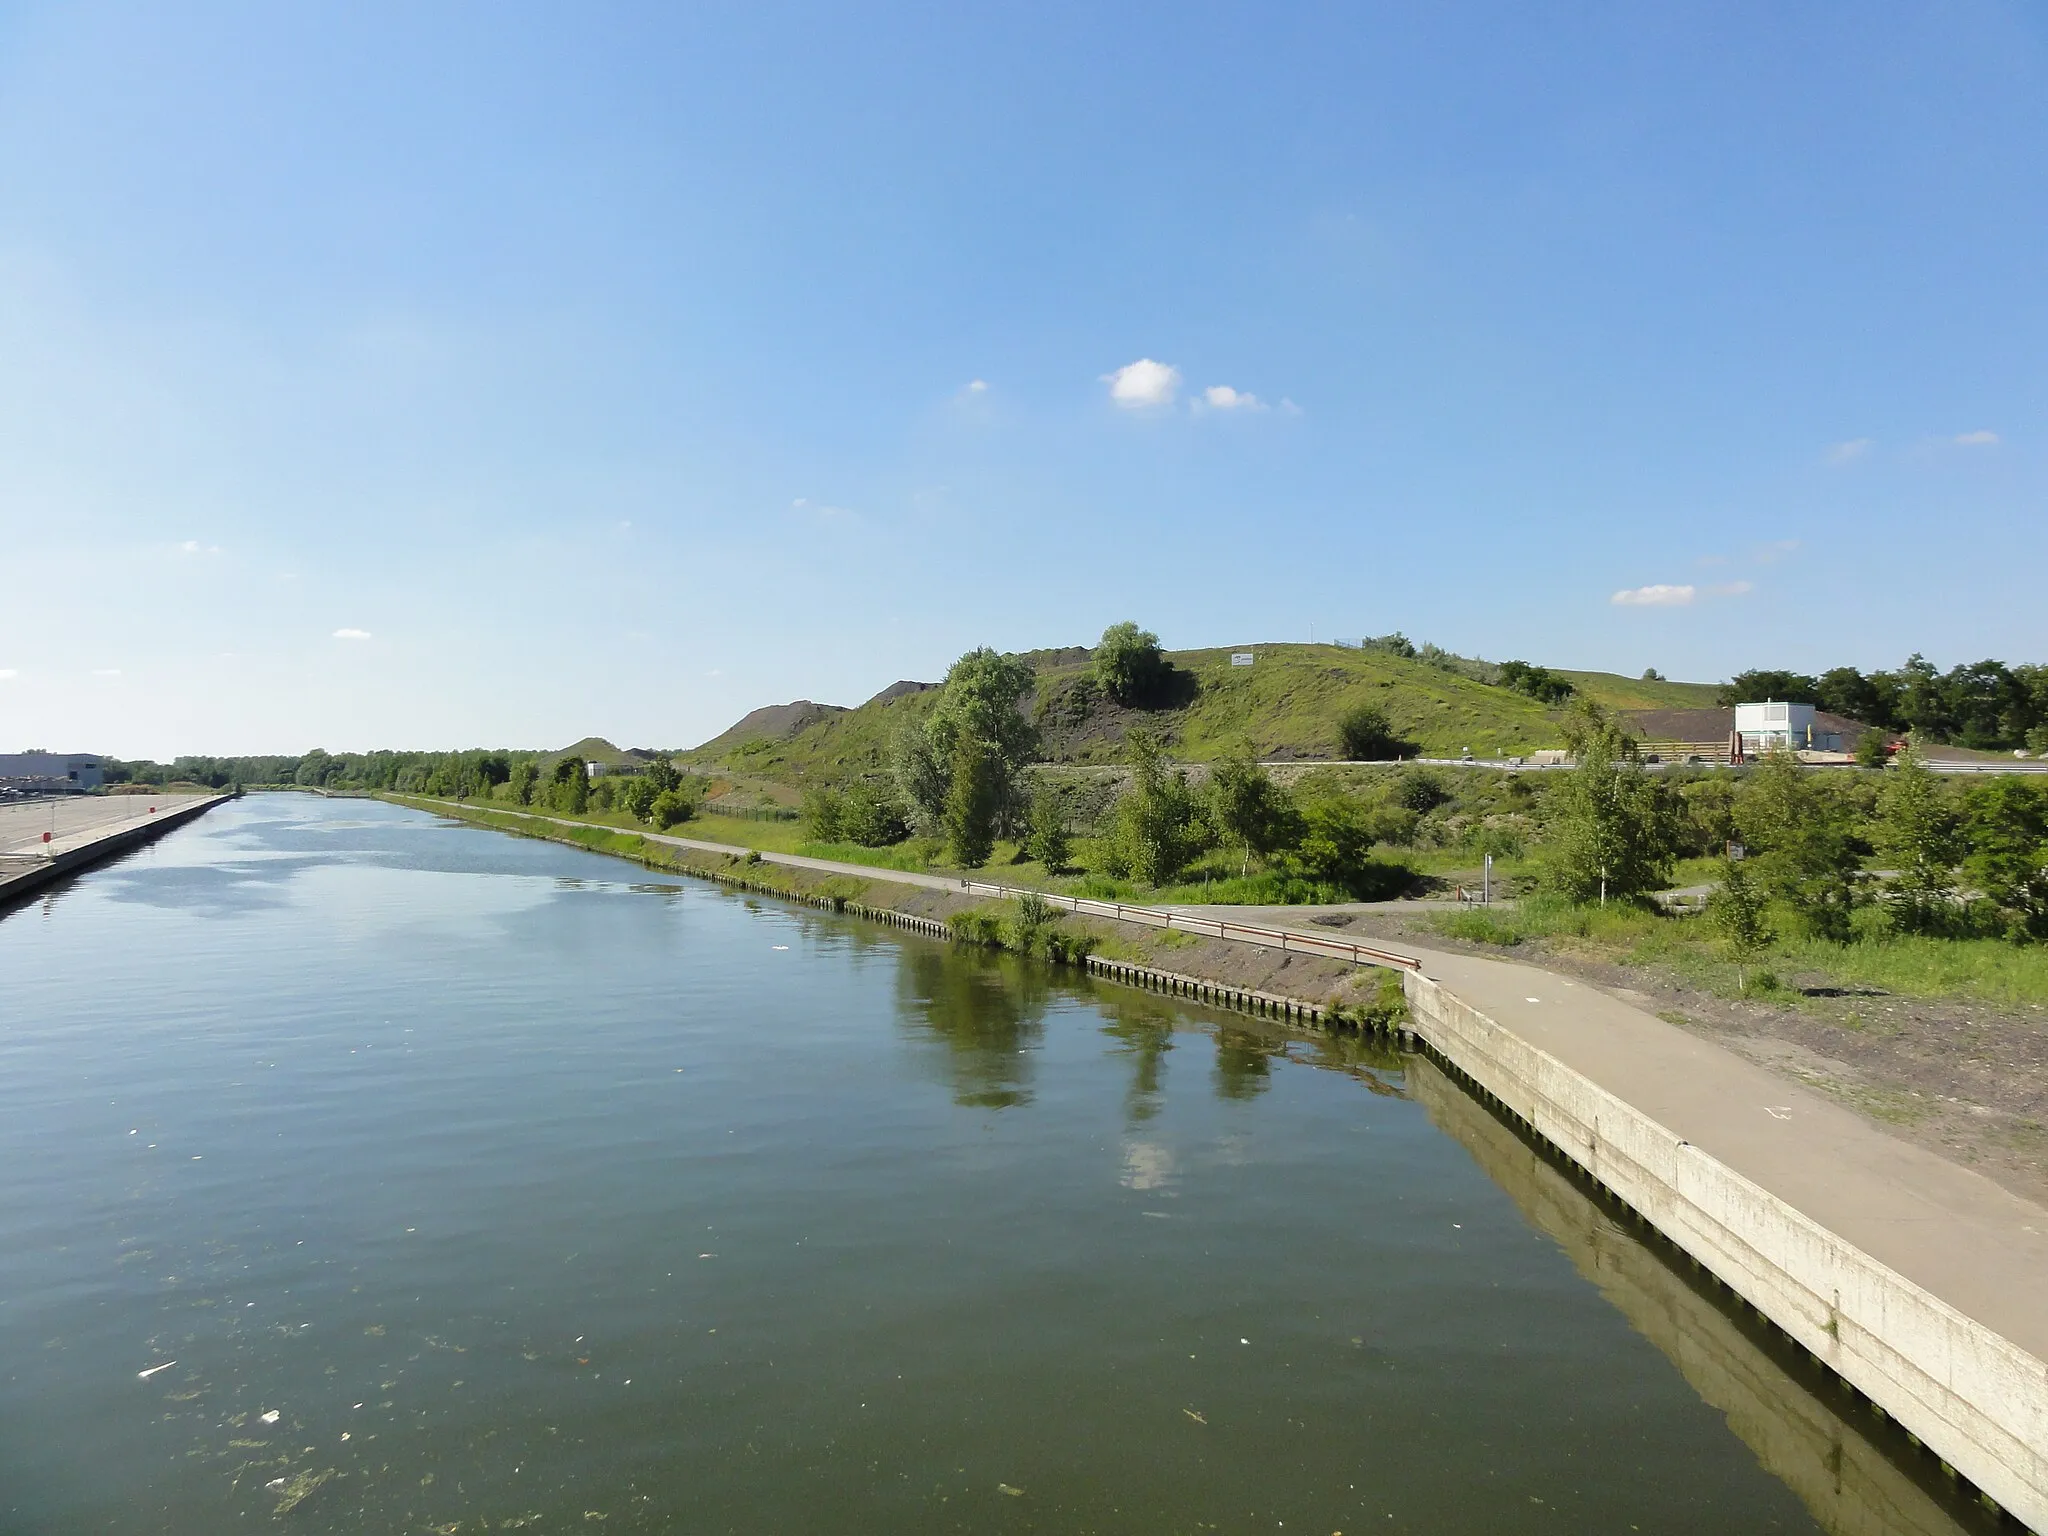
[986, 1012]
[1144, 1028]
[1244, 1061]
[1779, 1403]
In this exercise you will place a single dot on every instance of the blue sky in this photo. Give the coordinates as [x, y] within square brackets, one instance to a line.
[438, 375]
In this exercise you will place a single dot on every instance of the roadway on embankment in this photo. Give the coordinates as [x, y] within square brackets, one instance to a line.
[1945, 1227]
[82, 830]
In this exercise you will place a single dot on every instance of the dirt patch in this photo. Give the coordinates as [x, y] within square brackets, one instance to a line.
[1968, 1080]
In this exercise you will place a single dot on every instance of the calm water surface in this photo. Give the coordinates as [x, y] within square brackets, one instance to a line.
[369, 1173]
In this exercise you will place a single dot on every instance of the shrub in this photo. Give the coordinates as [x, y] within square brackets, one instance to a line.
[1047, 840]
[1128, 663]
[822, 815]
[1366, 735]
[1420, 791]
[871, 815]
[670, 807]
[979, 926]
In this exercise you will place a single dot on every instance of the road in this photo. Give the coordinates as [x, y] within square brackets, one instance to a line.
[74, 820]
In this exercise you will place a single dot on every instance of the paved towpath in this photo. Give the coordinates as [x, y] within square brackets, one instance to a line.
[1950, 1230]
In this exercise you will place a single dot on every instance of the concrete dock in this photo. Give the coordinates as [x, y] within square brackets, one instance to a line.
[44, 840]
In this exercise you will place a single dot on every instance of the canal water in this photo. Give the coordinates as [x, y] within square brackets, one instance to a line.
[366, 1172]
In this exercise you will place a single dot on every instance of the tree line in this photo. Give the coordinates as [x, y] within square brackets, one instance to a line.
[1985, 704]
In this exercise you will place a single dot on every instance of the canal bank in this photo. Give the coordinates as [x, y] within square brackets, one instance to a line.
[43, 841]
[1914, 1280]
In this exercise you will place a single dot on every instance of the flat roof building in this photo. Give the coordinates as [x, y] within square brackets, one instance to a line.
[52, 770]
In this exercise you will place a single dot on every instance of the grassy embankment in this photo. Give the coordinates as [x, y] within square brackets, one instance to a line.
[1285, 705]
[1986, 970]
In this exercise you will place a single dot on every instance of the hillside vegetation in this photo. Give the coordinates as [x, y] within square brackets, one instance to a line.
[1286, 705]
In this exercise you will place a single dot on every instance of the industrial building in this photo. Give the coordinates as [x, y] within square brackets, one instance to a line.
[43, 772]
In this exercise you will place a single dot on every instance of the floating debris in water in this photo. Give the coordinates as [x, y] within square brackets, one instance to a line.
[1015, 1493]
[145, 1375]
[270, 1417]
[1194, 1415]
[299, 1489]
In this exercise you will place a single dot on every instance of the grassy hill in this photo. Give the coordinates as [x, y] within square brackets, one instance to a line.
[1286, 704]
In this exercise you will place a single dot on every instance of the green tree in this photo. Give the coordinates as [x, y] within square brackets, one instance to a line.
[569, 786]
[1157, 824]
[979, 702]
[871, 815]
[1800, 836]
[1872, 749]
[636, 796]
[1616, 828]
[671, 806]
[974, 801]
[1048, 840]
[525, 780]
[2006, 825]
[1366, 735]
[663, 775]
[1250, 811]
[1737, 912]
[1128, 663]
[1918, 830]
[821, 815]
[1337, 835]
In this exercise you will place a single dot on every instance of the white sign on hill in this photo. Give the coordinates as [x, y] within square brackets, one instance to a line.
[1240, 658]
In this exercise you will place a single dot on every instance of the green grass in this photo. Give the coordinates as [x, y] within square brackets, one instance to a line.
[1285, 704]
[1988, 970]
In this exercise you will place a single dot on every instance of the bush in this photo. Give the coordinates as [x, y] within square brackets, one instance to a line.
[671, 807]
[871, 815]
[1420, 791]
[822, 815]
[1047, 840]
[1366, 735]
[1128, 663]
[1478, 927]
[980, 927]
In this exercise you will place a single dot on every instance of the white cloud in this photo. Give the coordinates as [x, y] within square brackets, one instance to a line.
[1849, 452]
[1657, 595]
[1288, 407]
[351, 634]
[194, 547]
[1977, 439]
[1731, 589]
[819, 508]
[106, 671]
[1221, 397]
[1773, 552]
[1143, 383]
[7, 674]
[977, 386]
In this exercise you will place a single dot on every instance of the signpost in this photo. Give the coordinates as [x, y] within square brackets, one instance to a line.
[1241, 658]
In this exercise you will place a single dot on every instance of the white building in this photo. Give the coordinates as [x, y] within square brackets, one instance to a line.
[1763, 727]
[67, 770]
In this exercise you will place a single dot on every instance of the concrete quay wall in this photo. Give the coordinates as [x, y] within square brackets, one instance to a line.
[1976, 1399]
[15, 884]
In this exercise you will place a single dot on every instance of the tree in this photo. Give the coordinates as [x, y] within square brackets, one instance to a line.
[973, 801]
[871, 815]
[662, 774]
[1158, 826]
[1366, 735]
[569, 786]
[1845, 691]
[636, 797]
[1048, 840]
[1800, 837]
[1763, 684]
[1128, 663]
[1737, 912]
[979, 701]
[671, 806]
[1616, 830]
[2006, 823]
[1917, 829]
[821, 815]
[1249, 809]
[525, 778]
[1873, 749]
[1539, 683]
